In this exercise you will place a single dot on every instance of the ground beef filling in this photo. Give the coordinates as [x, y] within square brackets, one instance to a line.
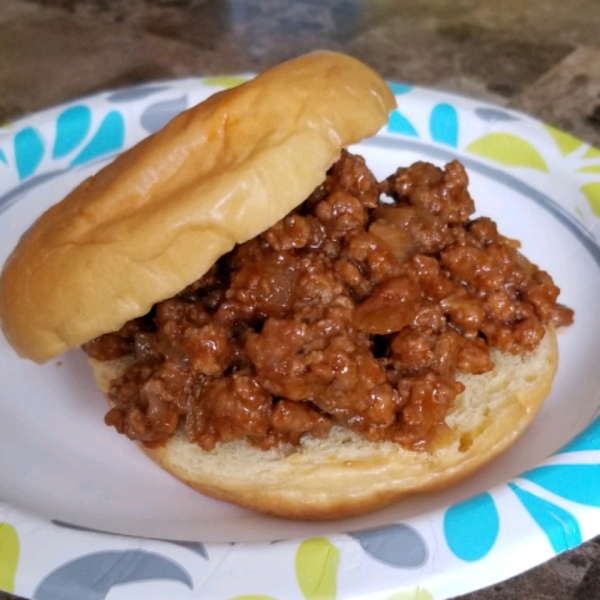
[356, 309]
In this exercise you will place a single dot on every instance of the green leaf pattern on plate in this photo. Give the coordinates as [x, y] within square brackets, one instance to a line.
[417, 593]
[566, 142]
[317, 564]
[508, 149]
[592, 192]
[225, 81]
[589, 169]
[592, 152]
[9, 556]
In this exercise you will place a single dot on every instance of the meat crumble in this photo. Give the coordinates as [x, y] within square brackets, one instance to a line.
[358, 308]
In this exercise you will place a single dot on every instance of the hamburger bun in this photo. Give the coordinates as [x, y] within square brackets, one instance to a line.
[158, 217]
[344, 474]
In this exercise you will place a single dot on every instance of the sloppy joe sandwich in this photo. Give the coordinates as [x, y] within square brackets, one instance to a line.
[273, 325]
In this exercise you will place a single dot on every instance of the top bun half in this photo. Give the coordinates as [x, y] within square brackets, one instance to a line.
[157, 218]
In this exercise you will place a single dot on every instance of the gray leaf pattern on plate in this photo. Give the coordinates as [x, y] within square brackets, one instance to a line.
[397, 546]
[11, 197]
[157, 115]
[196, 547]
[91, 577]
[135, 93]
[494, 114]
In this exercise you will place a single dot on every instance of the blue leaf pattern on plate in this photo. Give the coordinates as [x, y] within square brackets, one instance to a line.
[397, 545]
[560, 526]
[110, 137]
[91, 577]
[589, 439]
[494, 115]
[579, 483]
[471, 527]
[399, 88]
[72, 126]
[156, 116]
[135, 93]
[443, 124]
[3, 157]
[398, 123]
[29, 151]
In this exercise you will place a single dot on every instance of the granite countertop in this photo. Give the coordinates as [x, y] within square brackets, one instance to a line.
[540, 57]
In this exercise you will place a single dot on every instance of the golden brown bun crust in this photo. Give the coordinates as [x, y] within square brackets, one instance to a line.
[161, 214]
[346, 475]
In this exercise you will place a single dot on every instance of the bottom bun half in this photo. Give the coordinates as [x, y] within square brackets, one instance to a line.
[344, 474]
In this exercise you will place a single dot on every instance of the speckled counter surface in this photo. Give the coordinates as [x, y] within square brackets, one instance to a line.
[541, 57]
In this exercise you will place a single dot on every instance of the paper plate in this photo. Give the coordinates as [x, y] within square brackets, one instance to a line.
[84, 515]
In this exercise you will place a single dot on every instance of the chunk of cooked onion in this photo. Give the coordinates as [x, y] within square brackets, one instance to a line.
[398, 240]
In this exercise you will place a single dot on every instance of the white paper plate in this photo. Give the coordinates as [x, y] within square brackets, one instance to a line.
[63, 473]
